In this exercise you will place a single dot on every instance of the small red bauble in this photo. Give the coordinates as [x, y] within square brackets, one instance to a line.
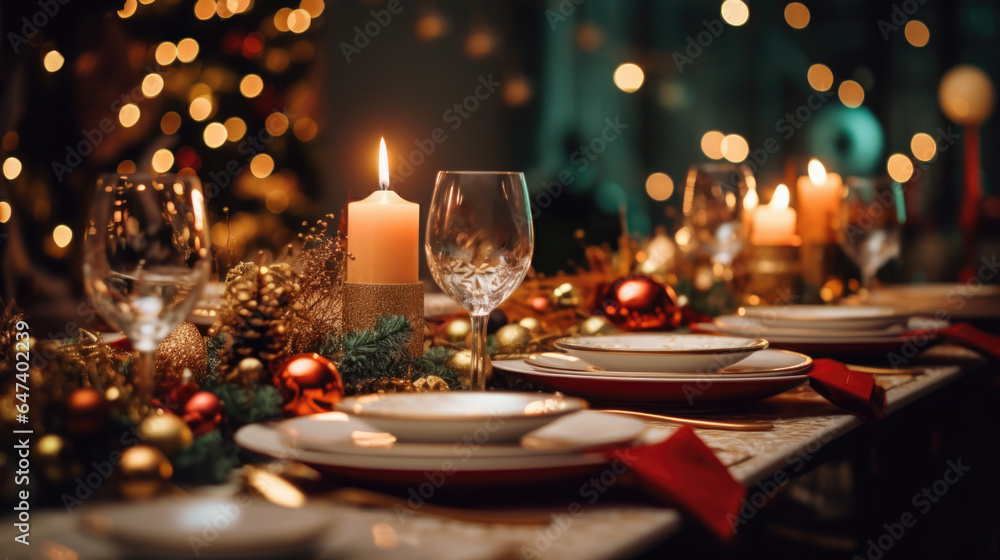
[86, 411]
[639, 303]
[203, 412]
[310, 384]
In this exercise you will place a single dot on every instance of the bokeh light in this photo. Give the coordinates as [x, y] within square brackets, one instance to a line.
[215, 134]
[204, 9]
[797, 15]
[200, 108]
[305, 129]
[735, 148]
[53, 61]
[711, 144]
[659, 186]
[820, 77]
[5, 211]
[152, 85]
[163, 160]
[129, 115]
[735, 12]
[923, 146]
[170, 122]
[187, 49]
[851, 93]
[276, 124]
[298, 21]
[235, 129]
[276, 201]
[281, 19]
[126, 166]
[916, 33]
[11, 168]
[261, 165]
[165, 53]
[900, 168]
[629, 77]
[128, 10]
[62, 235]
[251, 85]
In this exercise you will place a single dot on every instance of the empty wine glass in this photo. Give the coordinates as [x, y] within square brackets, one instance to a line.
[146, 259]
[713, 210]
[871, 214]
[479, 243]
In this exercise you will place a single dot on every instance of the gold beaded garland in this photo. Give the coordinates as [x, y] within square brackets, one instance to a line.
[184, 348]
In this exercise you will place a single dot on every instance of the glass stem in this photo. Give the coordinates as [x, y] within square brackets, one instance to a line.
[479, 357]
[143, 372]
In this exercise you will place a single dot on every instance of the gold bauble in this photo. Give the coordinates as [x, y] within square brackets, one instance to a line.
[597, 324]
[250, 370]
[166, 432]
[55, 459]
[458, 329]
[512, 339]
[461, 363]
[143, 472]
[184, 348]
[530, 323]
[430, 383]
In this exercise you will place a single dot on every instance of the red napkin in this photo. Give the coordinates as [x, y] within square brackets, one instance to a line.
[851, 390]
[683, 471]
[964, 334]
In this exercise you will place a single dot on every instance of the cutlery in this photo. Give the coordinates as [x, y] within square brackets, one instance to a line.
[736, 425]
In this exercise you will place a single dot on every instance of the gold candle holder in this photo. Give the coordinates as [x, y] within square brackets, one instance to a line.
[364, 303]
[773, 275]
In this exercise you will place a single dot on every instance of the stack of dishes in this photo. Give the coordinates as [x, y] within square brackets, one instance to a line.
[829, 330]
[459, 437]
[965, 302]
[664, 371]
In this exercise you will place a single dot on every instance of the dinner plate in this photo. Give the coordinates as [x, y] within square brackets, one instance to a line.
[463, 467]
[753, 326]
[855, 346]
[337, 432]
[451, 416]
[838, 317]
[667, 353]
[955, 301]
[223, 527]
[766, 363]
[701, 392]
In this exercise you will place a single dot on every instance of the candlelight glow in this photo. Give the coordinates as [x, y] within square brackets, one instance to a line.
[383, 166]
[817, 173]
[751, 200]
[780, 198]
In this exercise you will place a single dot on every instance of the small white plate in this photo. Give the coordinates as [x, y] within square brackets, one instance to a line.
[755, 326]
[827, 316]
[766, 363]
[665, 353]
[955, 301]
[450, 417]
[210, 527]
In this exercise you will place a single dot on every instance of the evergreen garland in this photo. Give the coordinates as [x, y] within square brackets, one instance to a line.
[208, 460]
[246, 405]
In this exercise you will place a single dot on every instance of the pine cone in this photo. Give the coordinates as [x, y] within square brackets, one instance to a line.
[255, 310]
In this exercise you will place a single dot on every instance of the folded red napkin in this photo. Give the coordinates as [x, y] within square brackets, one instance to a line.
[964, 334]
[851, 390]
[683, 471]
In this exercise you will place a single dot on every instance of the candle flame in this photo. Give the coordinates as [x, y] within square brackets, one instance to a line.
[383, 166]
[751, 200]
[780, 198]
[817, 173]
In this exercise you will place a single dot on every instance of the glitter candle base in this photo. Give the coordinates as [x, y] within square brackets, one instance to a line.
[364, 303]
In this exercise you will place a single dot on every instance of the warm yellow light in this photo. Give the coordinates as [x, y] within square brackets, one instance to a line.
[5, 211]
[204, 9]
[215, 134]
[916, 33]
[200, 108]
[187, 49]
[629, 77]
[251, 85]
[235, 129]
[128, 10]
[276, 124]
[62, 235]
[129, 115]
[261, 165]
[430, 25]
[276, 201]
[126, 166]
[313, 7]
[53, 61]
[711, 144]
[305, 129]
[163, 160]
[923, 146]
[851, 93]
[152, 85]
[281, 19]
[735, 148]
[900, 168]
[780, 198]
[11, 168]
[659, 186]
[298, 21]
[165, 53]
[170, 122]
[383, 166]
[751, 200]
[797, 15]
[817, 173]
[820, 77]
[735, 12]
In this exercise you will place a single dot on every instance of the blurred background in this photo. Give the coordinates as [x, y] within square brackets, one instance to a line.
[278, 107]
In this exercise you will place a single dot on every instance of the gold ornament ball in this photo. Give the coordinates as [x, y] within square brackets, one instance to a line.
[596, 325]
[461, 363]
[966, 95]
[531, 323]
[182, 348]
[512, 339]
[55, 459]
[430, 383]
[251, 370]
[458, 329]
[166, 432]
[143, 472]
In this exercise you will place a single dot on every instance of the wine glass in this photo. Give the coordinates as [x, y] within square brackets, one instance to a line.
[146, 259]
[869, 228]
[713, 210]
[479, 243]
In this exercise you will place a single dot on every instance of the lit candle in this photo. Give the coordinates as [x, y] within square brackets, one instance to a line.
[382, 234]
[774, 224]
[819, 203]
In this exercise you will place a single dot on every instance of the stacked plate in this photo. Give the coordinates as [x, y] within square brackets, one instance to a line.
[826, 329]
[461, 438]
[664, 371]
[967, 302]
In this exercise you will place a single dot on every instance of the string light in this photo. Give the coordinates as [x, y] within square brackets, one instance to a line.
[900, 168]
[276, 124]
[11, 168]
[128, 10]
[129, 115]
[820, 77]
[251, 85]
[187, 49]
[659, 186]
[305, 129]
[851, 93]
[916, 33]
[200, 109]
[152, 85]
[298, 21]
[735, 148]
[170, 122]
[235, 129]
[62, 235]
[204, 9]
[629, 77]
[261, 165]
[215, 134]
[5, 211]
[163, 160]
[735, 12]
[166, 53]
[53, 61]
[923, 146]
[711, 144]
[797, 15]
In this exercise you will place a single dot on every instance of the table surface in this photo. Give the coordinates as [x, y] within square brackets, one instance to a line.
[804, 422]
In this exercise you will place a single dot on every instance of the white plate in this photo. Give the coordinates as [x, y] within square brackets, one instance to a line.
[666, 353]
[450, 417]
[766, 363]
[337, 432]
[229, 528]
[956, 301]
[827, 316]
[754, 326]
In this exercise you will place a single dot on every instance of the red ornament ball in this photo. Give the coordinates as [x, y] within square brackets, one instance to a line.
[310, 384]
[203, 412]
[86, 411]
[639, 303]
